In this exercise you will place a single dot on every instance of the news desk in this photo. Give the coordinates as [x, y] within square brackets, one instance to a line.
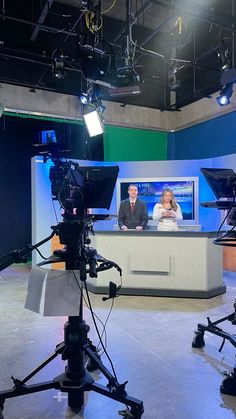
[171, 264]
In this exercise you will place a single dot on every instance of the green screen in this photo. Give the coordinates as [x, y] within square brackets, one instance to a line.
[129, 144]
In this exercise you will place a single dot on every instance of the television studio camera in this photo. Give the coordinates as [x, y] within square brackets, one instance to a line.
[223, 184]
[77, 189]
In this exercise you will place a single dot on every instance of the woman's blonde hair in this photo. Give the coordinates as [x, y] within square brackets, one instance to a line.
[172, 201]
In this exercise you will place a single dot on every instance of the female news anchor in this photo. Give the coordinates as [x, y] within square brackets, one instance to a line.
[167, 212]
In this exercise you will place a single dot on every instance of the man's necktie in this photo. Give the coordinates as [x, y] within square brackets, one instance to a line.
[132, 206]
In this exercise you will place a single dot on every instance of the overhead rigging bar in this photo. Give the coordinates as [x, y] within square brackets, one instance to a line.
[49, 28]
[41, 19]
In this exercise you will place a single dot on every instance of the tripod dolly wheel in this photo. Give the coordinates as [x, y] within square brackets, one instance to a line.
[1, 408]
[228, 385]
[137, 413]
[198, 340]
[134, 413]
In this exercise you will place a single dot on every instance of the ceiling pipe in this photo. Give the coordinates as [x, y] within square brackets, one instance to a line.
[41, 19]
[37, 61]
[135, 18]
[158, 28]
[233, 37]
[27, 22]
[223, 21]
[45, 72]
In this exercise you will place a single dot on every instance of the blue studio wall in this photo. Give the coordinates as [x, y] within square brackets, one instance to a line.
[209, 139]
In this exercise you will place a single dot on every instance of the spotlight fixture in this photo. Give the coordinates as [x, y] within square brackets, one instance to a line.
[173, 83]
[225, 95]
[84, 99]
[223, 55]
[93, 123]
[58, 63]
[92, 109]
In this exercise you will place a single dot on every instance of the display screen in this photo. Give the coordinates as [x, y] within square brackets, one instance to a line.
[185, 191]
[48, 137]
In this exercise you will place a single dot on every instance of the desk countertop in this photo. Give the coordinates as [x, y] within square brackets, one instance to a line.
[154, 233]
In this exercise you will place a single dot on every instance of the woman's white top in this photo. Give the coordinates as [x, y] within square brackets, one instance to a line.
[166, 223]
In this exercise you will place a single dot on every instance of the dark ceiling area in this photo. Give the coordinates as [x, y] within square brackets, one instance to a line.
[160, 54]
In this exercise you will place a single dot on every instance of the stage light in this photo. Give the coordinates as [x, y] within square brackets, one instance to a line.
[84, 99]
[93, 123]
[173, 83]
[125, 91]
[58, 64]
[58, 70]
[225, 95]
[223, 55]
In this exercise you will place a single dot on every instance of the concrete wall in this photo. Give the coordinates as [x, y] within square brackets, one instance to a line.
[21, 99]
[40, 102]
[203, 110]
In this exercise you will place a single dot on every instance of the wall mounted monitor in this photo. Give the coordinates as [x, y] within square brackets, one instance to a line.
[48, 137]
[185, 190]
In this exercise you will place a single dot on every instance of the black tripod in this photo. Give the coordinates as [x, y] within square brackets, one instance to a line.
[76, 348]
[228, 385]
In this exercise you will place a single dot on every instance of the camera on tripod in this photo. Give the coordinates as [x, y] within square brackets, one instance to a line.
[77, 189]
[223, 184]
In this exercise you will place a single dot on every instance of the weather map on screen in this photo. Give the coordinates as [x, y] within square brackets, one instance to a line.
[150, 192]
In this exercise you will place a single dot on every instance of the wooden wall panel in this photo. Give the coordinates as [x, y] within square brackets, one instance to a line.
[229, 261]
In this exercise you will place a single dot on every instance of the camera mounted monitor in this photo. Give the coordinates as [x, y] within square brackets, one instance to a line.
[82, 187]
[99, 184]
[221, 181]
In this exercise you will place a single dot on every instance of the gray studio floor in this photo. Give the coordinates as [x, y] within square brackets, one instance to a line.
[149, 341]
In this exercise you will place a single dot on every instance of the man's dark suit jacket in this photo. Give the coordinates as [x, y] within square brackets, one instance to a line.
[132, 219]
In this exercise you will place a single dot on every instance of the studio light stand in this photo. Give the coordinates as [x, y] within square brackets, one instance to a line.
[77, 349]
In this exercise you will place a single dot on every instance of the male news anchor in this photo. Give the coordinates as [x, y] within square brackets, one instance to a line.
[132, 212]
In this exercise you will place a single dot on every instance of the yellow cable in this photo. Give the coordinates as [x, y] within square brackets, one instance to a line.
[109, 8]
[180, 23]
[89, 19]
[101, 24]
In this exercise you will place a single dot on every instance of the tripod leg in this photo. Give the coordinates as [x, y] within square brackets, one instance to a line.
[120, 395]
[114, 390]
[75, 400]
[98, 364]
[91, 365]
